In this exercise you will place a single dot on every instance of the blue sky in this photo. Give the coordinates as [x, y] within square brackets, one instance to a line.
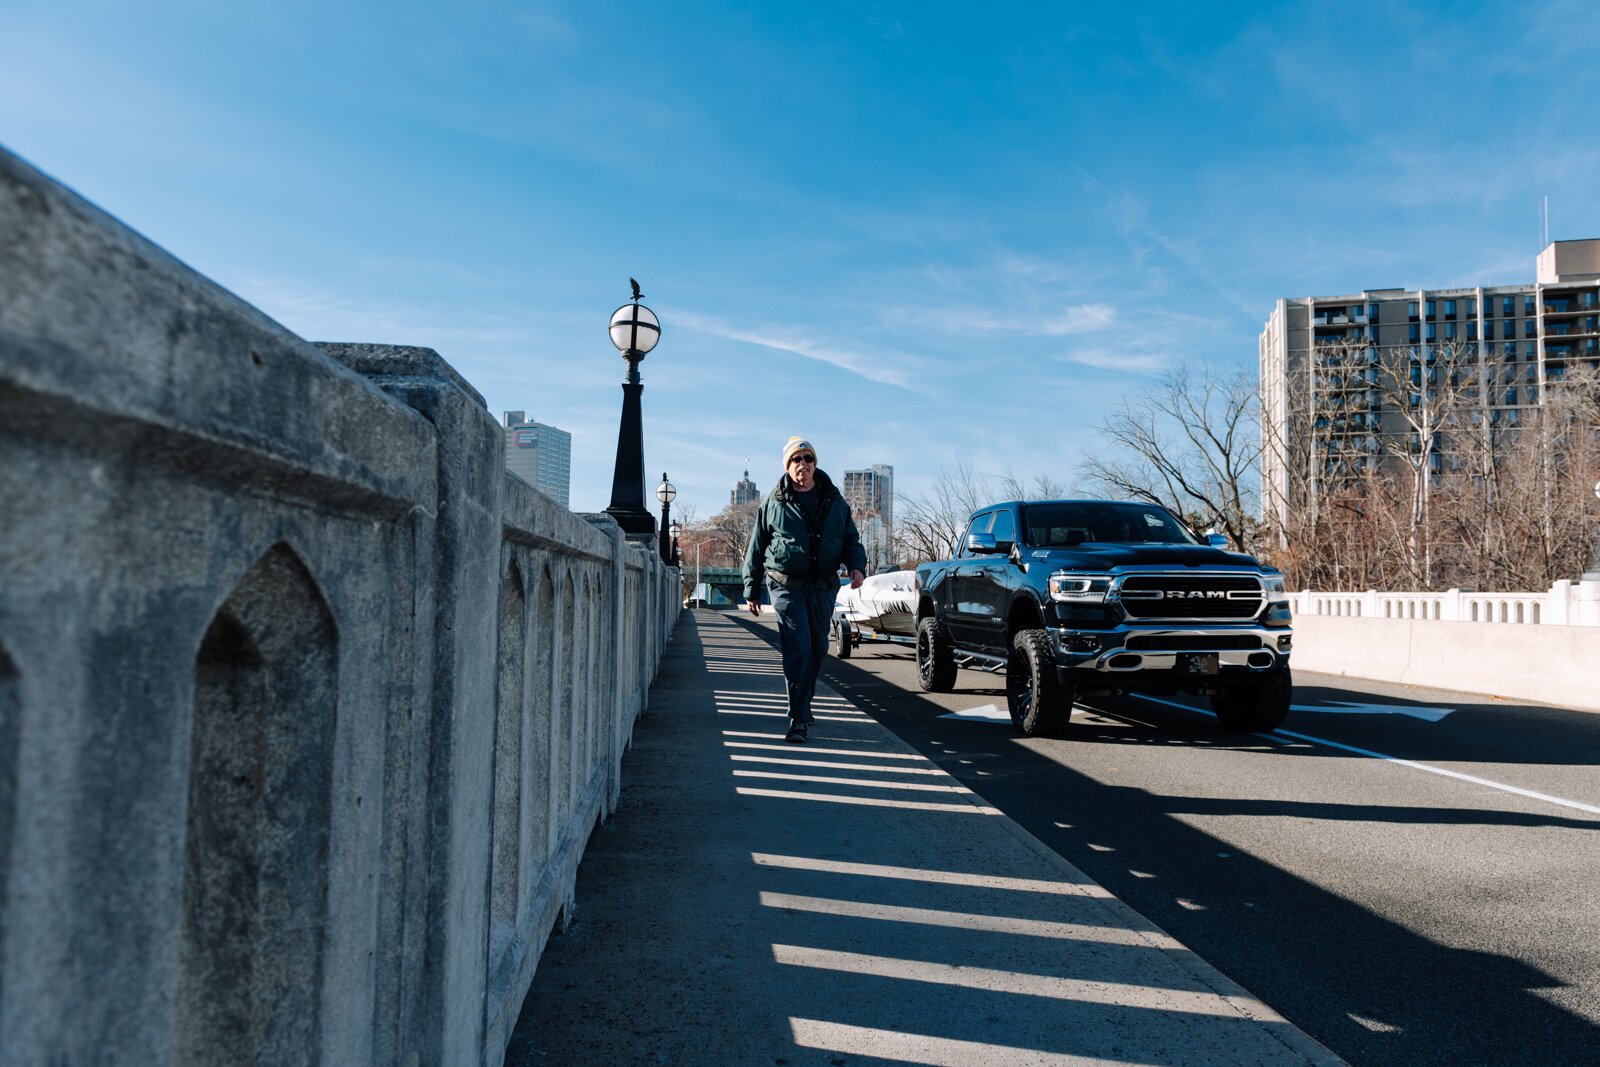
[918, 234]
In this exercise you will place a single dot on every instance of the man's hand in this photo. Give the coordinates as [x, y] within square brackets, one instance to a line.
[856, 578]
[753, 606]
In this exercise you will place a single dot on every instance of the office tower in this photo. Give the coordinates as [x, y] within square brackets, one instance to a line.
[1347, 380]
[745, 491]
[870, 494]
[540, 455]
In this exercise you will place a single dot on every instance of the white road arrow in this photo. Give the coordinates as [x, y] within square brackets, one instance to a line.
[985, 713]
[1344, 707]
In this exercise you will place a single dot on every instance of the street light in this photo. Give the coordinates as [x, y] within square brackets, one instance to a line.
[634, 330]
[676, 530]
[666, 492]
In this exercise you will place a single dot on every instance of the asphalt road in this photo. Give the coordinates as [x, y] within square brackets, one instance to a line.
[1409, 888]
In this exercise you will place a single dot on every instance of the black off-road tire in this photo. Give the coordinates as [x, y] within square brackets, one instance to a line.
[1040, 705]
[842, 643]
[1260, 704]
[936, 657]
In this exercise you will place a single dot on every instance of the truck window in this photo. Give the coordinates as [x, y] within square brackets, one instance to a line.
[980, 524]
[1005, 526]
[1066, 524]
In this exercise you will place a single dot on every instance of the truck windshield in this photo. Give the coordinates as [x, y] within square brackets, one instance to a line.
[1066, 524]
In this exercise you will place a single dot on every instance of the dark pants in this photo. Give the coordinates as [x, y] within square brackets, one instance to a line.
[804, 611]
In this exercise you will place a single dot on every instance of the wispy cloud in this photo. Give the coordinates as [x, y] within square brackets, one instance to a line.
[1076, 319]
[1121, 359]
[884, 367]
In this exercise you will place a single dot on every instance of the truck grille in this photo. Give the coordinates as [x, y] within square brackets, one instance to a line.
[1191, 596]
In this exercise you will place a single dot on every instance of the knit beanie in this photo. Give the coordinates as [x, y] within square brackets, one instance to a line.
[796, 444]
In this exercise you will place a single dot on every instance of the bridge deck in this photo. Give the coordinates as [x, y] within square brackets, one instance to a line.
[756, 902]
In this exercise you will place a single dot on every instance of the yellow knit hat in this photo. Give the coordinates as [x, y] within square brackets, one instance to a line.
[796, 444]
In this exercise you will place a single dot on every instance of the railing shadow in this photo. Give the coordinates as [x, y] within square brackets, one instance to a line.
[1373, 990]
[844, 901]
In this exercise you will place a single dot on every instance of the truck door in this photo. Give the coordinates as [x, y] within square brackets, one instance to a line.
[964, 615]
[991, 584]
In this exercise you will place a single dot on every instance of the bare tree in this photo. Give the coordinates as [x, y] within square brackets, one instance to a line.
[1044, 486]
[929, 526]
[1190, 444]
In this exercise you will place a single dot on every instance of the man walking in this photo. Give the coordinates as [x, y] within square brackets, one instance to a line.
[803, 533]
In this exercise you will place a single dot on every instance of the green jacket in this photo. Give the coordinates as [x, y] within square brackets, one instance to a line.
[781, 545]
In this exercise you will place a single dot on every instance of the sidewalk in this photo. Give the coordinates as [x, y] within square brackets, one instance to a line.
[847, 902]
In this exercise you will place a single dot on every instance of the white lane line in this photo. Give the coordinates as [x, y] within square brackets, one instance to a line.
[1475, 780]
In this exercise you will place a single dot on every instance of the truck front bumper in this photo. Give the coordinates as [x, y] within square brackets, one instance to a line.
[1169, 650]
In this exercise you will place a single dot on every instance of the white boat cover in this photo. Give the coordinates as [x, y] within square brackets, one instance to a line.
[879, 595]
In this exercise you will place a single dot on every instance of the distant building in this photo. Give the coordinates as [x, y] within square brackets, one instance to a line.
[870, 494]
[1330, 409]
[745, 492]
[540, 455]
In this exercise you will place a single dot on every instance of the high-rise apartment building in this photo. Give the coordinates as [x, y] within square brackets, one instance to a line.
[745, 491]
[870, 494]
[540, 455]
[1347, 380]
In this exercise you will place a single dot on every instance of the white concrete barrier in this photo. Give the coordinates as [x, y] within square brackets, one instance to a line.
[1547, 664]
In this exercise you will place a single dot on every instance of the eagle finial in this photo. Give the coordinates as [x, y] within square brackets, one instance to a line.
[637, 296]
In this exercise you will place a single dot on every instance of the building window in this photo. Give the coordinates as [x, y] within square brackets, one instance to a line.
[1527, 304]
[1510, 347]
[1432, 313]
[1416, 333]
[1411, 309]
[1508, 307]
[1488, 330]
[1433, 330]
[1472, 306]
[1530, 327]
[1372, 312]
[1472, 329]
[1449, 331]
[1449, 309]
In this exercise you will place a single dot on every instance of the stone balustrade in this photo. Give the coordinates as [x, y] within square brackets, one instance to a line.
[307, 707]
[1567, 603]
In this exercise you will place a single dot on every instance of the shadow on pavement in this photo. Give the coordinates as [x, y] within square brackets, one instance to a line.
[1371, 990]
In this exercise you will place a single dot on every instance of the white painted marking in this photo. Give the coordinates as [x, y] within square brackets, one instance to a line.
[1345, 707]
[1280, 735]
[983, 713]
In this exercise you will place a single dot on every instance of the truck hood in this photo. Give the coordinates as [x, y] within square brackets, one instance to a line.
[1104, 555]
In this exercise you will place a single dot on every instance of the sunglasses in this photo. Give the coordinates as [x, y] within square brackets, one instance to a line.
[803, 457]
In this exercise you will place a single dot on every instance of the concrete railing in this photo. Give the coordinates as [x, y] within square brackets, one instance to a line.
[307, 708]
[1475, 642]
[1567, 603]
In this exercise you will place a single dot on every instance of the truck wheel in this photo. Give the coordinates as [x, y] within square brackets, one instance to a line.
[936, 659]
[1260, 704]
[842, 642]
[1039, 704]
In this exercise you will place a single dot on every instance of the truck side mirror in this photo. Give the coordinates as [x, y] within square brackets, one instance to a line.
[980, 544]
[1217, 540]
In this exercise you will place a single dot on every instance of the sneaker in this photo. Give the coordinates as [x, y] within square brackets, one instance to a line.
[796, 734]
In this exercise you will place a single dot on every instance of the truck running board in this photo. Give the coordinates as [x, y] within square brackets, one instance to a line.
[980, 661]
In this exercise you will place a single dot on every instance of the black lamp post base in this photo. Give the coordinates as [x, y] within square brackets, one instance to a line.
[636, 525]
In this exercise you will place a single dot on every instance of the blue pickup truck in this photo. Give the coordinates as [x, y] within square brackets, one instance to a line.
[1079, 598]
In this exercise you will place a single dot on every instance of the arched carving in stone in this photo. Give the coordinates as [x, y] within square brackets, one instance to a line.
[256, 846]
[569, 705]
[508, 746]
[10, 737]
[542, 716]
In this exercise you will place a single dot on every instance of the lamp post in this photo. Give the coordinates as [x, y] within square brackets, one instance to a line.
[666, 492]
[635, 331]
[676, 530]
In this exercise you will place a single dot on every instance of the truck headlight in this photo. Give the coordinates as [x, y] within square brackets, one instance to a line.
[1079, 588]
[1272, 585]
